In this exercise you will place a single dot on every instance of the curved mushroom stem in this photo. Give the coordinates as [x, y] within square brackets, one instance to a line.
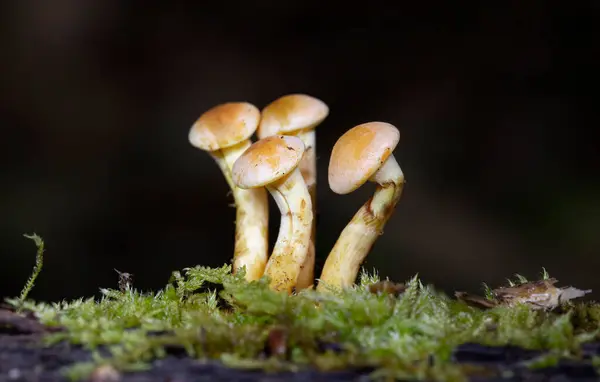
[357, 238]
[291, 248]
[308, 164]
[308, 169]
[252, 217]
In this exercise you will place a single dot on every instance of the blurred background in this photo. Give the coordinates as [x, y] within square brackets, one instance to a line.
[496, 106]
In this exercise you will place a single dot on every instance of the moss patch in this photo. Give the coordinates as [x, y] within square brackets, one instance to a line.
[210, 313]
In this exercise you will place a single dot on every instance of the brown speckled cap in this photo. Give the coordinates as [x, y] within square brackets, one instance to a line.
[267, 160]
[291, 113]
[224, 126]
[359, 153]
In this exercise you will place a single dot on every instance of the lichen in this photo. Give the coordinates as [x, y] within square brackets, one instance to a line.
[209, 313]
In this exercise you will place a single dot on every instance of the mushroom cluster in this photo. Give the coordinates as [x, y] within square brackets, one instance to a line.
[282, 162]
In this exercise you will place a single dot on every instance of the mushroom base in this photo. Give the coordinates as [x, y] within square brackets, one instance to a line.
[306, 279]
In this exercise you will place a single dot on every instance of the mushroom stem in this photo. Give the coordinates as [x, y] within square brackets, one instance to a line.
[357, 238]
[308, 164]
[308, 169]
[292, 245]
[252, 217]
[307, 270]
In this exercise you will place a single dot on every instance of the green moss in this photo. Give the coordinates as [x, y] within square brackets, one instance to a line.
[37, 268]
[210, 313]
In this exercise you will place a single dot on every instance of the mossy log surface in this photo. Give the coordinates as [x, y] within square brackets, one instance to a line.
[23, 357]
[209, 324]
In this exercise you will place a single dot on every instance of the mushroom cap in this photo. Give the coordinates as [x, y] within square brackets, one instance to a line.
[267, 160]
[291, 113]
[224, 126]
[359, 154]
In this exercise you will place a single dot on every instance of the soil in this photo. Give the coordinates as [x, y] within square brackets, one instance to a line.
[23, 358]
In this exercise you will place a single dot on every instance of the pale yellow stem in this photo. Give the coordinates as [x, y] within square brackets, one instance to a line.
[357, 238]
[308, 164]
[291, 247]
[306, 278]
[308, 169]
[252, 218]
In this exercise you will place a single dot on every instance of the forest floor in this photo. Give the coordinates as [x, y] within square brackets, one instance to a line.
[24, 357]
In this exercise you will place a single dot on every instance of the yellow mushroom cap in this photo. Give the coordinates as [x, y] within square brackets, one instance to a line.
[291, 113]
[359, 153]
[267, 161]
[224, 126]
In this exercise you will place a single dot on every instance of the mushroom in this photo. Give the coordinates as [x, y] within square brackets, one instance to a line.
[272, 163]
[298, 115]
[224, 131]
[363, 153]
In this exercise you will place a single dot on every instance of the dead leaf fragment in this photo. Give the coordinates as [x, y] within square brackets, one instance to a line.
[277, 342]
[387, 287]
[475, 301]
[541, 294]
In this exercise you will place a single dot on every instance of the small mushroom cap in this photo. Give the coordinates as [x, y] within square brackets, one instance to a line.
[267, 161]
[224, 126]
[359, 153]
[291, 113]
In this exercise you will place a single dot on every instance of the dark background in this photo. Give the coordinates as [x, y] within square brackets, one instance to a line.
[496, 107]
